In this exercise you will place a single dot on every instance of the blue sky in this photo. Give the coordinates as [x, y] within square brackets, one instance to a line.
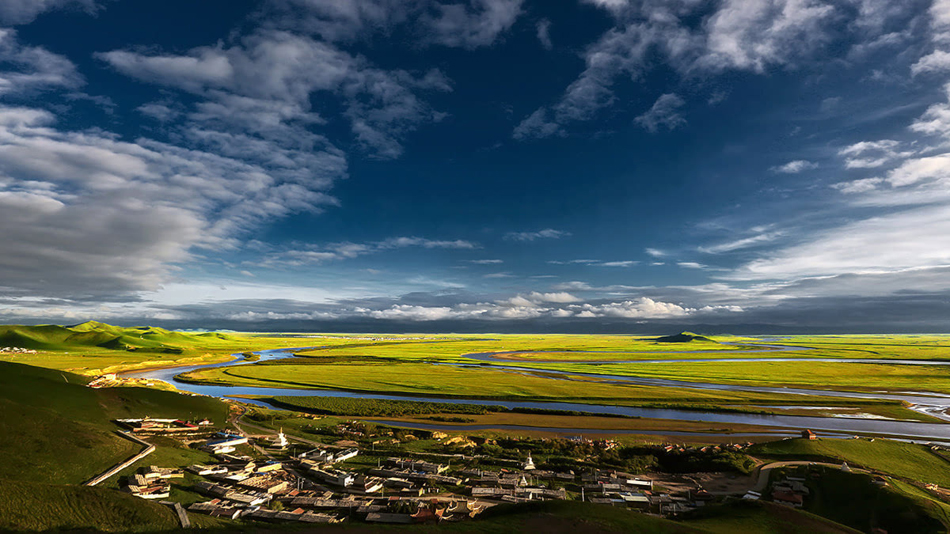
[589, 165]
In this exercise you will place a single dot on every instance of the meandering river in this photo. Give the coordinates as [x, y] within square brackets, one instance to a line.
[932, 403]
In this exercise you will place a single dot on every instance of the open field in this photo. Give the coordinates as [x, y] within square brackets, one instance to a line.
[478, 382]
[656, 427]
[812, 375]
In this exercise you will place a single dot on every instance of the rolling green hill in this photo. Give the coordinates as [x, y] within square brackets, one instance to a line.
[94, 334]
[683, 337]
[906, 460]
[40, 507]
[54, 429]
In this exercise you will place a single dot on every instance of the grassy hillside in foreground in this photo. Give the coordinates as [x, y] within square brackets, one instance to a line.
[572, 517]
[853, 500]
[748, 517]
[38, 507]
[54, 429]
[907, 460]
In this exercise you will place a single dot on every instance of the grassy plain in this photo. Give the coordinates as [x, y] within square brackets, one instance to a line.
[813, 375]
[483, 383]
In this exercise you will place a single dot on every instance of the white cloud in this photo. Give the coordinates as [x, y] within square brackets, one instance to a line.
[537, 125]
[265, 85]
[486, 262]
[740, 244]
[402, 242]
[547, 233]
[343, 251]
[921, 169]
[159, 111]
[749, 35]
[24, 11]
[664, 112]
[89, 214]
[533, 306]
[871, 154]
[691, 265]
[910, 239]
[656, 253]
[26, 69]
[642, 308]
[858, 186]
[752, 34]
[794, 167]
[473, 24]
[936, 61]
[936, 120]
[544, 34]
[339, 20]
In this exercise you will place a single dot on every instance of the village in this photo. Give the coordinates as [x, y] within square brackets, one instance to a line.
[16, 350]
[272, 478]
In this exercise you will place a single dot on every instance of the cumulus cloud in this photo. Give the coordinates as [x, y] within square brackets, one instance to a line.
[544, 34]
[343, 251]
[90, 214]
[547, 233]
[664, 112]
[537, 125]
[752, 34]
[269, 79]
[466, 24]
[858, 186]
[473, 24]
[936, 61]
[85, 213]
[871, 154]
[746, 35]
[936, 120]
[14, 12]
[794, 167]
[27, 69]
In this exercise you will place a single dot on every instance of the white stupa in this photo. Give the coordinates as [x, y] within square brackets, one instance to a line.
[529, 463]
[281, 440]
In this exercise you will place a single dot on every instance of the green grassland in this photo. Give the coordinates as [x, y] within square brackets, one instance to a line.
[26, 506]
[479, 382]
[905, 460]
[814, 375]
[455, 349]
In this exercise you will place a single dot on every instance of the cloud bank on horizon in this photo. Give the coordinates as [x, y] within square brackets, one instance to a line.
[476, 163]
